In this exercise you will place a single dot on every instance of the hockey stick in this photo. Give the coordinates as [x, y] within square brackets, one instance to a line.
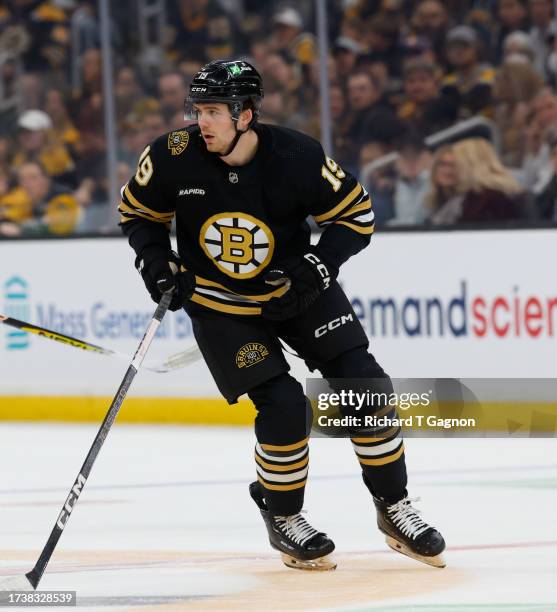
[174, 362]
[34, 576]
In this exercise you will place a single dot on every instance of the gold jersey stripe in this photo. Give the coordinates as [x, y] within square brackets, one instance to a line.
[204, 282]
[357, 228]
[339, 207]
[288, 447]
[274, 487]
[124, 208]
[281, 468]
[383, 460]
[167, 216]
[126, 219]
[241, 310]
[365, 205]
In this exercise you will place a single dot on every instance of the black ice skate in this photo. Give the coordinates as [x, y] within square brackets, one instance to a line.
[301, 546]
[406, 533]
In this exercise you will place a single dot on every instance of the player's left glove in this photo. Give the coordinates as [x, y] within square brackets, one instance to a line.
[162, 271]
[306, 276]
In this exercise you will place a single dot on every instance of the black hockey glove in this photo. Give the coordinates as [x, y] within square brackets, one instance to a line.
[162, 271]
[306, 275]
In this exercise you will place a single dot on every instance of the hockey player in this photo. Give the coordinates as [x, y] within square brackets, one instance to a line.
[245, 272]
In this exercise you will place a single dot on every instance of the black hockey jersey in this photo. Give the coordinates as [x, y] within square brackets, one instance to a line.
[232, 223]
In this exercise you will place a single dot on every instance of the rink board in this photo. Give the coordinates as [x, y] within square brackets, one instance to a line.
[455, 304]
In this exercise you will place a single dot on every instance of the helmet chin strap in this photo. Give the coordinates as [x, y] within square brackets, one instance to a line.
[234, 141]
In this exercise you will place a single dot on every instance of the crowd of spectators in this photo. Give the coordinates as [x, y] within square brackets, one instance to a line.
[399, 72]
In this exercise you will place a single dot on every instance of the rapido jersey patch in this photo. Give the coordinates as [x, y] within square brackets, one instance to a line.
[250, 354]
[178, 141]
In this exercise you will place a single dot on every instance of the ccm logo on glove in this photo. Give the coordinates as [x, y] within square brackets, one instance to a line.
[321, 268]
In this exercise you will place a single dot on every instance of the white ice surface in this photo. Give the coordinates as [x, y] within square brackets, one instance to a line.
[164, 503]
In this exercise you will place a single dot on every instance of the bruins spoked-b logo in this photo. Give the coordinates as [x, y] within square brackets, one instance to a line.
[178, 141]
[237, 243]
[250, 354]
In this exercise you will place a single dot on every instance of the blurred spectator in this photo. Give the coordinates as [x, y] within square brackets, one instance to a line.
[48, 26]
[188, 26]
[370, 118]
[470, 185]
[339, 119]
[512, 16]
[172, 92]
[31, 87]
[516, 84]
[288, 36]
[37, 141]
[6, 148]
[546, 200]
[378, 178]
[346, 51]
[221, 38]
[153, 126]
[381, 37]
[39, 206]
[517, 46]
[91, 73]
[62, 126]
[127, 91]
[543, 28]
[537, 167]
[431, 20]
[469, 86]
[412, 184]
[424, 110]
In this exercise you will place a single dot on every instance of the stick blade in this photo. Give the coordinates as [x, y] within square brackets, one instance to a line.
[15, 583]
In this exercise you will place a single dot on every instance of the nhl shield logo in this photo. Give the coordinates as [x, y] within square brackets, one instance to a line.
[233, 177]
[178, 141]
[250, 354]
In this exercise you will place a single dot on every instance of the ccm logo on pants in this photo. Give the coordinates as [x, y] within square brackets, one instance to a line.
[321, 331]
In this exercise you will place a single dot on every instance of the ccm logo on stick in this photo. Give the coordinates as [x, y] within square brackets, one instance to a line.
[321, 331]
[70, 502]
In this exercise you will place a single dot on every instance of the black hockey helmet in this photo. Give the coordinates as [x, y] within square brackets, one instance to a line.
[228, 82]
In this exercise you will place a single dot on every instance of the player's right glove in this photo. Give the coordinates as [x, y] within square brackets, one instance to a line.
[307, 276]
[164, 270]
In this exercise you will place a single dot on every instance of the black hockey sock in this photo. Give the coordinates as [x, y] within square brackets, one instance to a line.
[282, 472]
[381, 457]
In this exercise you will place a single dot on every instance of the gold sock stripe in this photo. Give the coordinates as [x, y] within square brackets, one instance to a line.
[339, 208]
[383, 460]
[290, 487]
[283, 467]
[288, 447]
[377, 450]
[390, 434]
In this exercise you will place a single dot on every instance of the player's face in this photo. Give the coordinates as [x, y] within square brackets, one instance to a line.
[216, 125]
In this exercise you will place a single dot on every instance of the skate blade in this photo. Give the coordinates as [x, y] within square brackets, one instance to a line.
[436, 561]
[322, 564]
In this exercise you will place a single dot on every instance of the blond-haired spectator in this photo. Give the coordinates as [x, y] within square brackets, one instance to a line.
[470, 185]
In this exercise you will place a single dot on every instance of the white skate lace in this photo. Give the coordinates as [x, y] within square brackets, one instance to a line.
[296, 528]
[407, 518]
